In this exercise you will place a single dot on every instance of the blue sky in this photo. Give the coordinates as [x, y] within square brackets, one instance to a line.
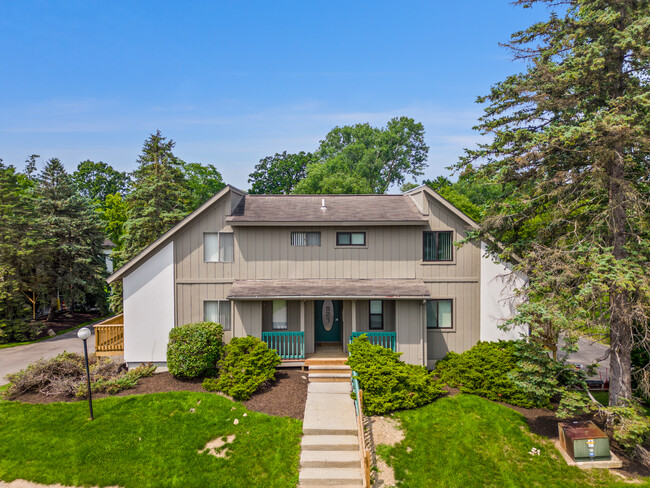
[233, 82]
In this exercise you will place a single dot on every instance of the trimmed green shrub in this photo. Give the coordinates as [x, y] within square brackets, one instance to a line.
[388, 383]
[483, 370]
[247, 365]
[194, 349]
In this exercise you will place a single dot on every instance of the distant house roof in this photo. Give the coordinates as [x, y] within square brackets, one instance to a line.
[338, 209]
[329, 288]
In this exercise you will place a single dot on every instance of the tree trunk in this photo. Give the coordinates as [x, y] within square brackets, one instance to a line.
[620, 384]
[53, 304]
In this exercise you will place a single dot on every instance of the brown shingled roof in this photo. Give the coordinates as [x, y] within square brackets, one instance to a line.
[329, 288]
[339, 209]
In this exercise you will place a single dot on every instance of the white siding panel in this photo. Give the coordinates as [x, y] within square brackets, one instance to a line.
[498, 300]
[149, 308]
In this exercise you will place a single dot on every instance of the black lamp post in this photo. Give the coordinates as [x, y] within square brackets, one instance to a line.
[84, 334]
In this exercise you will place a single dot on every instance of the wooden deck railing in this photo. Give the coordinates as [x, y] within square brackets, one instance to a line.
[384, 339]
[109, 336]
[290, 345]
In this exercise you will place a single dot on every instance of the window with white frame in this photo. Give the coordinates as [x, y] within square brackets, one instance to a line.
[439, 314]
[218, 247]
[305, 238]
[280, 315]
[217, 311]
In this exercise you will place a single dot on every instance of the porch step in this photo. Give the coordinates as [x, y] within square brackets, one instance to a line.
[329, 459]
[331, 476]
[330, 443]
[329, 377]
[326, 361]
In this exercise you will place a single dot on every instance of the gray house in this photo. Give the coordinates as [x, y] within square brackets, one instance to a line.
[300, 271]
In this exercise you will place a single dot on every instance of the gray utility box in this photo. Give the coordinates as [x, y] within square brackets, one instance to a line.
[584, 441]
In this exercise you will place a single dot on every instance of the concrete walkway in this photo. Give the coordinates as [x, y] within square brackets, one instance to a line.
[330, 446]
[13, 359]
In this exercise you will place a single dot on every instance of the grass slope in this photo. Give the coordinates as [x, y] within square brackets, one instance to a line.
[147, 441]
[466, 441]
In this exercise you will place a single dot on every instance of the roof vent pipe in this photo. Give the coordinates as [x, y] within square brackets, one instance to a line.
[322, 204]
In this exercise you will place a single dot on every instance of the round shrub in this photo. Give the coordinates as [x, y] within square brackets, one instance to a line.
[388, 383]
[194, 349]
[483, 370]
[247, 364]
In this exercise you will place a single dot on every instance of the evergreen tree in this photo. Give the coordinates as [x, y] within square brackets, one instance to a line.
[159, 196]
[16, 212]
[68, 241]
[571, 137]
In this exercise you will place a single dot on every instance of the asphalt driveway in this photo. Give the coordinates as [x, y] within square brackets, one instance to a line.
[13, 359]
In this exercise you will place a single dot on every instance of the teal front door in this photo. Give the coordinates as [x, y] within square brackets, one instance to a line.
[327, 318]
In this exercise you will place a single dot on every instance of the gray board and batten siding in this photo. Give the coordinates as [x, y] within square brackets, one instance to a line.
[392, 251]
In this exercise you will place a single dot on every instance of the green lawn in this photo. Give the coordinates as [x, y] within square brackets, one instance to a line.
[147, 441]
[466, 441]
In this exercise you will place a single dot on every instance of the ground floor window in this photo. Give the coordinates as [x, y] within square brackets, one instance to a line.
[217, 311]
[439, 314]
[280, 315]
[376, 314]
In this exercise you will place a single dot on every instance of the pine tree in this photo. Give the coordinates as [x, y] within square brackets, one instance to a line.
[16, 212]
[158, 199]
[571, 136]
[69, 240]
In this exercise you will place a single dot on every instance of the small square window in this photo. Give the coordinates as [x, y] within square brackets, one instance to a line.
[439, 314]
[350, 238]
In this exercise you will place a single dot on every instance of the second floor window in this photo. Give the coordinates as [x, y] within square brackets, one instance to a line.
[218, 247]
[305, 238]
[350, 238]
[437, 246]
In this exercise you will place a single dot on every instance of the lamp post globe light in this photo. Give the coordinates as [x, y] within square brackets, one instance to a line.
[84, 334]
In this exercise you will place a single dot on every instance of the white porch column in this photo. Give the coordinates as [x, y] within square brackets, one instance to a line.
[354, 315]
[302, 315]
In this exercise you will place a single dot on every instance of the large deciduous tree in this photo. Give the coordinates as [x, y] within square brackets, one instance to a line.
[376, 157]
[279, 174]
[202, 182]
[571, 137]
[96, 180]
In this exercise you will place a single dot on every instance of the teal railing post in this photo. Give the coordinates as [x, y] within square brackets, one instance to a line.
[289, 345]
[384, 339]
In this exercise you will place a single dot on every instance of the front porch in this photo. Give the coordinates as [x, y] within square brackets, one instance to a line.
[291, 346]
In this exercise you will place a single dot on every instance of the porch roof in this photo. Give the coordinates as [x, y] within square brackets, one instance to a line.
[330, 288]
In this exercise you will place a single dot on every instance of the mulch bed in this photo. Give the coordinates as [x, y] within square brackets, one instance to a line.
[285, 397]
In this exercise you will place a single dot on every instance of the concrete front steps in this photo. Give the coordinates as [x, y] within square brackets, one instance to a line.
[328, 370]
[330, 446]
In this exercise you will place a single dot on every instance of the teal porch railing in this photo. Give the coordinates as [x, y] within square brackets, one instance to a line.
[290, 345]
[384, 339]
